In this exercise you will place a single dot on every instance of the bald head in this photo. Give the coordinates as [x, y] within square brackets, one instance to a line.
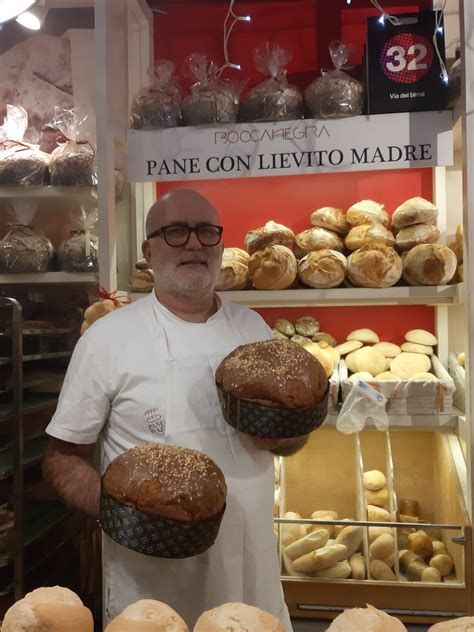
[178, 206]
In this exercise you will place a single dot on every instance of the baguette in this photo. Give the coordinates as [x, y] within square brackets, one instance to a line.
[310, 542]
[340, 570]
[357, 564]
[320, 559]
[350, 537]
[381, 571]
[382, 547]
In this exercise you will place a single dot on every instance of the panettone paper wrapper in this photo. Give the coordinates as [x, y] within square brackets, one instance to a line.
[153, 535]
[271, 422]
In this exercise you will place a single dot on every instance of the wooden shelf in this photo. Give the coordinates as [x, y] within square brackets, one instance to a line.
[83, 193]
[429, 295]
[49, 277]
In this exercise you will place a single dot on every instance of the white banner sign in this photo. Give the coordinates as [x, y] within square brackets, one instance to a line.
[383, 141]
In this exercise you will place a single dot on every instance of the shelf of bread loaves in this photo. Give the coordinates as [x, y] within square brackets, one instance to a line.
[351, 257]
[401, 482]
[49, 192]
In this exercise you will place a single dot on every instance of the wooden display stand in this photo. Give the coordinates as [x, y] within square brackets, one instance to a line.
[426, 467]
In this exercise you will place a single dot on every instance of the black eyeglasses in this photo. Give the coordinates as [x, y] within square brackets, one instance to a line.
[177, 235]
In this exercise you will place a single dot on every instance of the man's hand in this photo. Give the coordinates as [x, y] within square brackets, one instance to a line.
[281, 447]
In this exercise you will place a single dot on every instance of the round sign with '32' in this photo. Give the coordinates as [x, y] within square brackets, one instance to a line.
[407, 57]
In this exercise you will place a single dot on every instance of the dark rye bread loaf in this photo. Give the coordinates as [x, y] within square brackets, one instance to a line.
[276, 373]
[167, 481]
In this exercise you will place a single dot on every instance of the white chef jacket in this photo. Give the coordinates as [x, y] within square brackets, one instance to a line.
[143, 375]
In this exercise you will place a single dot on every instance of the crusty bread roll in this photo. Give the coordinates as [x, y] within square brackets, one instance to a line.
[407, 364]
[142, 281]
[331, 218]
[374, 480]
[366, 233]
[367, 212]
[284, 326]
[374, 265]
[415, 235]
[307, 326]
[429, 264]
[348, 347]
[273, 268]
[237, 617]
[317, 239]
[367, 336]
[323, 269]
[268, 235]
[387, 376]
[367, 620]
[363, 376]
[52, 609]
[236, 254]
[234, 275]
[416, 210]
[324, 356]
[147, 615]
[323, 336]
[463, 624]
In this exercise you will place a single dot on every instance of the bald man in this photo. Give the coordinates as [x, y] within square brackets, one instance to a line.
[146, 374]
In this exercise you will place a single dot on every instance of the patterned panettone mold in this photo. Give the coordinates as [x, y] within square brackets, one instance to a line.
[151, 535]
[270, 422]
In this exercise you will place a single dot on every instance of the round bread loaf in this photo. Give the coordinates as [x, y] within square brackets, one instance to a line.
[52, 609]
[421, 337]
[366, 233]
[167, 481]
[367, 212]
[369, 360]
[374, 265]
[284, 326]
[367, 336]
[278, 335]
[407, 364]
[367, 619]
[235, 254]
[429, 264]
[415, 235]
[389, 349]
[331, 218]
[273, 268]
[273, 373]
[237, 617]
[317, 239]
[268, 235]
[462, 624]
[147, 615]
[387, 376]
[322, 269]
[234, 275]
[306, 326]
[416, 210]
[349, 346]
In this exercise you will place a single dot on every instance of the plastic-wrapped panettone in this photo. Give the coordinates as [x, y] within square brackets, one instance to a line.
[21, 164]
[158, 105]
[274, 99]
[210, 99]
[73, 162]
[335, 94]
[25, 248]
[79, 252]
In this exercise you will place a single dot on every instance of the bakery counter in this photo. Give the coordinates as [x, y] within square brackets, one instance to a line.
[375, 518]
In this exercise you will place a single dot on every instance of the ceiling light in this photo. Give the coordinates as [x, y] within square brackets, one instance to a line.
[10, 10]
[33, 19]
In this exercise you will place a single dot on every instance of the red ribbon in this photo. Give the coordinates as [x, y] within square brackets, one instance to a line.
[118, 301]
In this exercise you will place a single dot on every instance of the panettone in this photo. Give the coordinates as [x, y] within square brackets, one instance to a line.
[163, 500]
[273, 373]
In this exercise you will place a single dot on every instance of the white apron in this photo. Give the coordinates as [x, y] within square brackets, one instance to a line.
[242, 565]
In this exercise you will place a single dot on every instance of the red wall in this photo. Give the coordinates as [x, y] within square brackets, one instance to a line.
[306, 27]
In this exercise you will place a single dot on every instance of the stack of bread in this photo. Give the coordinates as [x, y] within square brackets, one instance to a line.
[367, 358]
[322, 551]
[425, 262]
[381, 539]
[423, 555]
[143, 279]
[457, 246]
[305, 332]
[234, 274]
[457, 370]
[272, 264]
